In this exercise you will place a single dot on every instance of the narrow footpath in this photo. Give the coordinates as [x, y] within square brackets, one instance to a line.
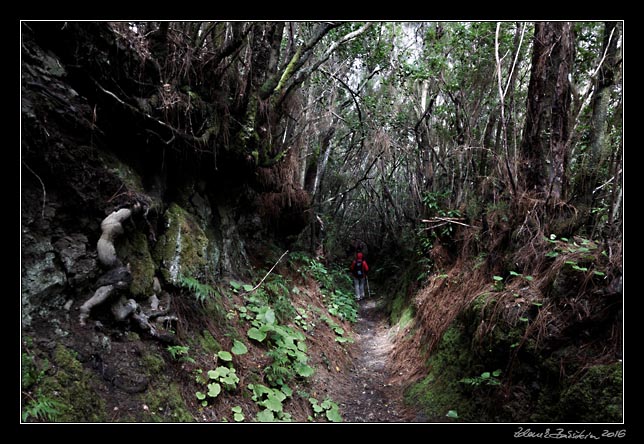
[370, 397]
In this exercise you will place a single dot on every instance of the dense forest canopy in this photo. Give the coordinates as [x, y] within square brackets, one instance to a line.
[432, 146]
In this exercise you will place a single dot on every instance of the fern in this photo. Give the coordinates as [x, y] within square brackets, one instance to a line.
[180, 353]
[42, 408]
[280, 369]
[201, 291]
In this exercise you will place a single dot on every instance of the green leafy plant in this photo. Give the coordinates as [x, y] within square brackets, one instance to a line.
[527, 278]
[342, 304]
[224, 355]
[575, 266]
[498, 283]
[287, 348]
[200, 291]
[239, 348]
[236, 286]
[43, 408]
[301, 319]
[180, 353]
[238, 415]
[339, 331]
[31, 372]
[327, 408]
[288, 355]
[486, 378]
[452, 414]
[271, 399]
[214, 380]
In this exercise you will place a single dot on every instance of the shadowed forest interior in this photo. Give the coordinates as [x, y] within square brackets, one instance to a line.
[193, 194]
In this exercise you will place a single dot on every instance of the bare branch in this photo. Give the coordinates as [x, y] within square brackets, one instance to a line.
[303, 74]
[266, 275]
[44, 192]
[502, 98]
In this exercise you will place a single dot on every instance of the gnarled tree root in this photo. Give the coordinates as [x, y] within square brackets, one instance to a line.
[118, 277]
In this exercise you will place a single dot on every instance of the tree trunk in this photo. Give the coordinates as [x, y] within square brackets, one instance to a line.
[544, 147]
[601, 97]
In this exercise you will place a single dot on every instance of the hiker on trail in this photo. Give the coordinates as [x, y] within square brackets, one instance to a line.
[359, 270]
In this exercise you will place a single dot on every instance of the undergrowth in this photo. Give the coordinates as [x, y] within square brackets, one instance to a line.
[271, 322]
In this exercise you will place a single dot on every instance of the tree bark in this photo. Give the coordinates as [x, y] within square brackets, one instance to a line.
[544, 148]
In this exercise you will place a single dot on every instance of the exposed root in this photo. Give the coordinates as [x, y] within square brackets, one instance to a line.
[99, 297]
[118, 277]
[111, 227]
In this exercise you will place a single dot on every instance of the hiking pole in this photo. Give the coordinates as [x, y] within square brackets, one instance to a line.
[367, 281]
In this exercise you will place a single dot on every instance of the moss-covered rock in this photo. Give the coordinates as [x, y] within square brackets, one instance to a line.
[183, 248]
[70, 387]
[153, 363]
[134, 249]
[596, 397]
[208, 343]
[123, 171]
[165, 404]
[439, 392]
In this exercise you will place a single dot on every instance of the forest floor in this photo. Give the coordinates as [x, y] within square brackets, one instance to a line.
[368, 394]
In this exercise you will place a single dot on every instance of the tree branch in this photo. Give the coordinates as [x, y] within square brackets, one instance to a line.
[364, 177]
[303, 74]
[502, 98]
[44, 192]
[266, 275]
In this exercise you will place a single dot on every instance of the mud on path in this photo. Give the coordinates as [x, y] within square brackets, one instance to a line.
[368, 395]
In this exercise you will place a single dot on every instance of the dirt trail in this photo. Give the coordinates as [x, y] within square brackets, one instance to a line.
[369, 397]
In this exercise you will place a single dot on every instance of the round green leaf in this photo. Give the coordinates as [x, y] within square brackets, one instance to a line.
[452, 414]
[333, 414]
[286, 390]
[304, 370]
[239, 348]
[214, 389]
[200, 396]
[265, 416]
[272, 403]
[256, 334]
[236, 285]
[224, 355]
[238, 417]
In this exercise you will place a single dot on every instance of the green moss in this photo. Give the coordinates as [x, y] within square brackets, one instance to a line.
[70, 386]
[128, 176]
[183, 248]
[288, 72]
[440, 390]
[406, 317]
[482, 301]
[134, 249]
[132, 336]
[596, 397]
[397, 307]
[208, 343]
[153, 363]
[166, 404]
